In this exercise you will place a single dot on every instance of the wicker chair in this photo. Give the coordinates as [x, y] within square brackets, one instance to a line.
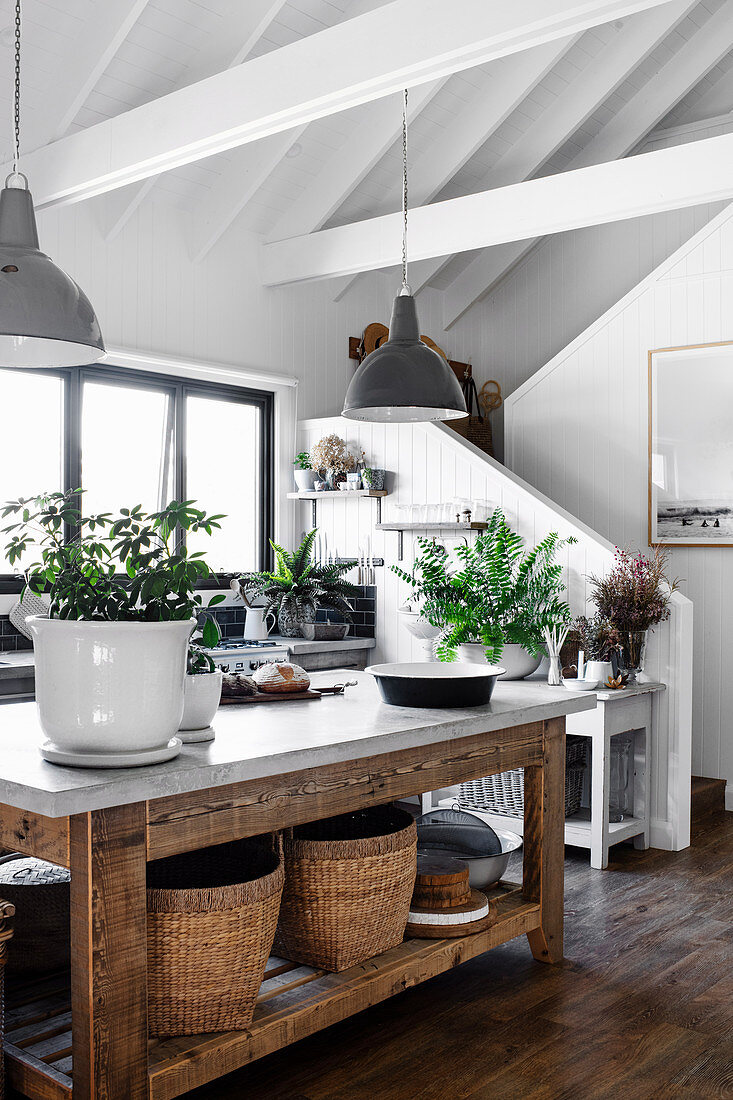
[6, 912]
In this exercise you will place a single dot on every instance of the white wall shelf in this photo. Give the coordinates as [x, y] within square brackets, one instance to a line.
[446, 528]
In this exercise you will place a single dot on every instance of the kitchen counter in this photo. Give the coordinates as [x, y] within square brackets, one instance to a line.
[255, 741]
[270, 768]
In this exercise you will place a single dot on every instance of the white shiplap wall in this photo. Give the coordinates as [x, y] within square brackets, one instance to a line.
[430, 464]
[578, 431]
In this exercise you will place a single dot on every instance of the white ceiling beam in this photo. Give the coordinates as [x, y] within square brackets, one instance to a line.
[577, 102]
[239, 23]
[510, 82]
[640, 115]
[249, 168]
[418, 41]
[667, 179]
[79, 69]
[346, 167]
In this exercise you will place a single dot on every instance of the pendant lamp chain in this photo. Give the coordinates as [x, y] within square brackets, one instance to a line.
[16, 120]
[405, 285]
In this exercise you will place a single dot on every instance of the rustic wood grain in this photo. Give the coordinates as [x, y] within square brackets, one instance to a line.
[34, 834]
[187, 821]
[109, 954]
[32, 1077]
[544, 822]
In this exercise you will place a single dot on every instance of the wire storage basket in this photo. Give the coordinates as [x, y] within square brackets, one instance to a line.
[348, 885]
[212, 916]
[40, 893]
[504, 793]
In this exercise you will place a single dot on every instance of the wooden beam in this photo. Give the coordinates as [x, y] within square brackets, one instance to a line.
[80, 68]
[667, 179]
[623, 133]
[311, 78]
[243, 24]
[511, 80]
[576, 103]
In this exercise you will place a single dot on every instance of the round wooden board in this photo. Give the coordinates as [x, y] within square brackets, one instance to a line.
[441, 897]
[438, 870]
[447, 931]
[456, 917]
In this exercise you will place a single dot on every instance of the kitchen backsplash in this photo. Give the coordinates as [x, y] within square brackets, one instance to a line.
[231, 622]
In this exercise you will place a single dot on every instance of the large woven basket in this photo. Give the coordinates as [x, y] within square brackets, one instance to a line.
[504, 793]
[40, 893]
[348, 884]
[212, 916]
[6, 913]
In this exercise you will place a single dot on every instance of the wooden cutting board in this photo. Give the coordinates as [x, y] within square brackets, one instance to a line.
[268, 697]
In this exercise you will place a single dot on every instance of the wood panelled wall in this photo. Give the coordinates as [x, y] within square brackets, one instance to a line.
[578, 431]
[429, 463]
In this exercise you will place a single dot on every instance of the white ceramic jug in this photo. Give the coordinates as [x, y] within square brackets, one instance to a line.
[255, 624]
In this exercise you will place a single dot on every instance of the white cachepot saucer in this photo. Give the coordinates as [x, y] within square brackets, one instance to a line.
[70, 759]
[110, 689]
[195, 737]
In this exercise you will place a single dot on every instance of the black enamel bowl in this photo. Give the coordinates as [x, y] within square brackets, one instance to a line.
[435, 684]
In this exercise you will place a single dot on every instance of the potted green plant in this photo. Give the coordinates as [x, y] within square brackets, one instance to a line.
[297, 587]
[599, 644]
[492, 599]
[111, 656]
[202, 687]
[304, 473]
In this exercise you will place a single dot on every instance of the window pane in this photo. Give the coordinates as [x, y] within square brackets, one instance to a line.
[223, 475]
[31, 407]
[126, 447]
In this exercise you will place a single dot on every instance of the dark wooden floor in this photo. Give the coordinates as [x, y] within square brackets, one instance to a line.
[642, 1008]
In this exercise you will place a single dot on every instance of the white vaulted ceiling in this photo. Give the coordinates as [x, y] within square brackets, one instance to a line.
[592, 97]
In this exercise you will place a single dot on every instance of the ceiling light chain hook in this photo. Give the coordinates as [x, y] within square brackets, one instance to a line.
[405, 285]
[16, 99]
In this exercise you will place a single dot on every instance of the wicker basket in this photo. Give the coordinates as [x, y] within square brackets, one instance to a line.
[6, 912]
[40, 893]
[348, 884]
[212, 916]
[504, 793]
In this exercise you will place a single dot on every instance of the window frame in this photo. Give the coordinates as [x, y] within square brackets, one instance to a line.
[179, 388]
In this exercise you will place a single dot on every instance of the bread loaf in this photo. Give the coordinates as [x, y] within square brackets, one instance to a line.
[275, 677]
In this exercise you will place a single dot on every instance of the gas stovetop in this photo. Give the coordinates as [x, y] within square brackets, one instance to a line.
[244, 643]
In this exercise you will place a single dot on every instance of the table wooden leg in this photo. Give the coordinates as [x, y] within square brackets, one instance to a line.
[544, 829]
[108, 952]
[599, 799]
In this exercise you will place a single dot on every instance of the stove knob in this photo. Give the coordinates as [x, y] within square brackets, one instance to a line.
[239, 664]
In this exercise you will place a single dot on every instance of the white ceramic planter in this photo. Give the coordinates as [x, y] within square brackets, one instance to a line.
[598, 671]
[304, 480]
[200, 700]
[110, 691]
[516, 660]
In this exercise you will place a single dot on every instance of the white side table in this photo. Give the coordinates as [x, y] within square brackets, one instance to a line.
[626, 711]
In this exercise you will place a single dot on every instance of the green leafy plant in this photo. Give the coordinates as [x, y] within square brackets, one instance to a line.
[127, 567]
[491, 592]
[598, 637]
[299, 587]
[199, 662]
[303, 461]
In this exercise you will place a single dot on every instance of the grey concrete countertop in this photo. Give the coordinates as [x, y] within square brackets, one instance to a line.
[302, 645]
[257, 741]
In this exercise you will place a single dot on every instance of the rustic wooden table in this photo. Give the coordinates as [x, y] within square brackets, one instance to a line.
[265, 771]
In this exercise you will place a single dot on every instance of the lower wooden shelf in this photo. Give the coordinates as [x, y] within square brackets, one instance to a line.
[294, 1002]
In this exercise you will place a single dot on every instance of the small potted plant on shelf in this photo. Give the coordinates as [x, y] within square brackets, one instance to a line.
[304, 473]
[111, 656]
[599, 644]
[297, 587]
[331, 458]
[202, 689]
[492, 599]
[634, 597]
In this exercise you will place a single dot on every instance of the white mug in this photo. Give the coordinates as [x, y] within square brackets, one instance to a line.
[255, 624]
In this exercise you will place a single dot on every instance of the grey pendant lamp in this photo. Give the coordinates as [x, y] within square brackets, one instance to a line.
[45, 319]
[404, 380]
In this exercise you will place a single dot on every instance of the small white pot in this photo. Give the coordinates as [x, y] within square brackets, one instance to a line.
[109, 687]
[598, 671]
[516, 660]
[202, 693]
[305, 480]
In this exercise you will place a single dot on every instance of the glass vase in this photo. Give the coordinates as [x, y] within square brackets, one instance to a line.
[554, 675]
[633, 647]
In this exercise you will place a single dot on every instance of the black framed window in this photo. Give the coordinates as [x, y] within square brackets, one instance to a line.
[128, 437]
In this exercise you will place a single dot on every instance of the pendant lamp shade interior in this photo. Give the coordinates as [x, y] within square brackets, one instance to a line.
[46, 320]
[404, 380]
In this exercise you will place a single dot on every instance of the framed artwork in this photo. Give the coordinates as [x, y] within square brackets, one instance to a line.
[691, 446]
